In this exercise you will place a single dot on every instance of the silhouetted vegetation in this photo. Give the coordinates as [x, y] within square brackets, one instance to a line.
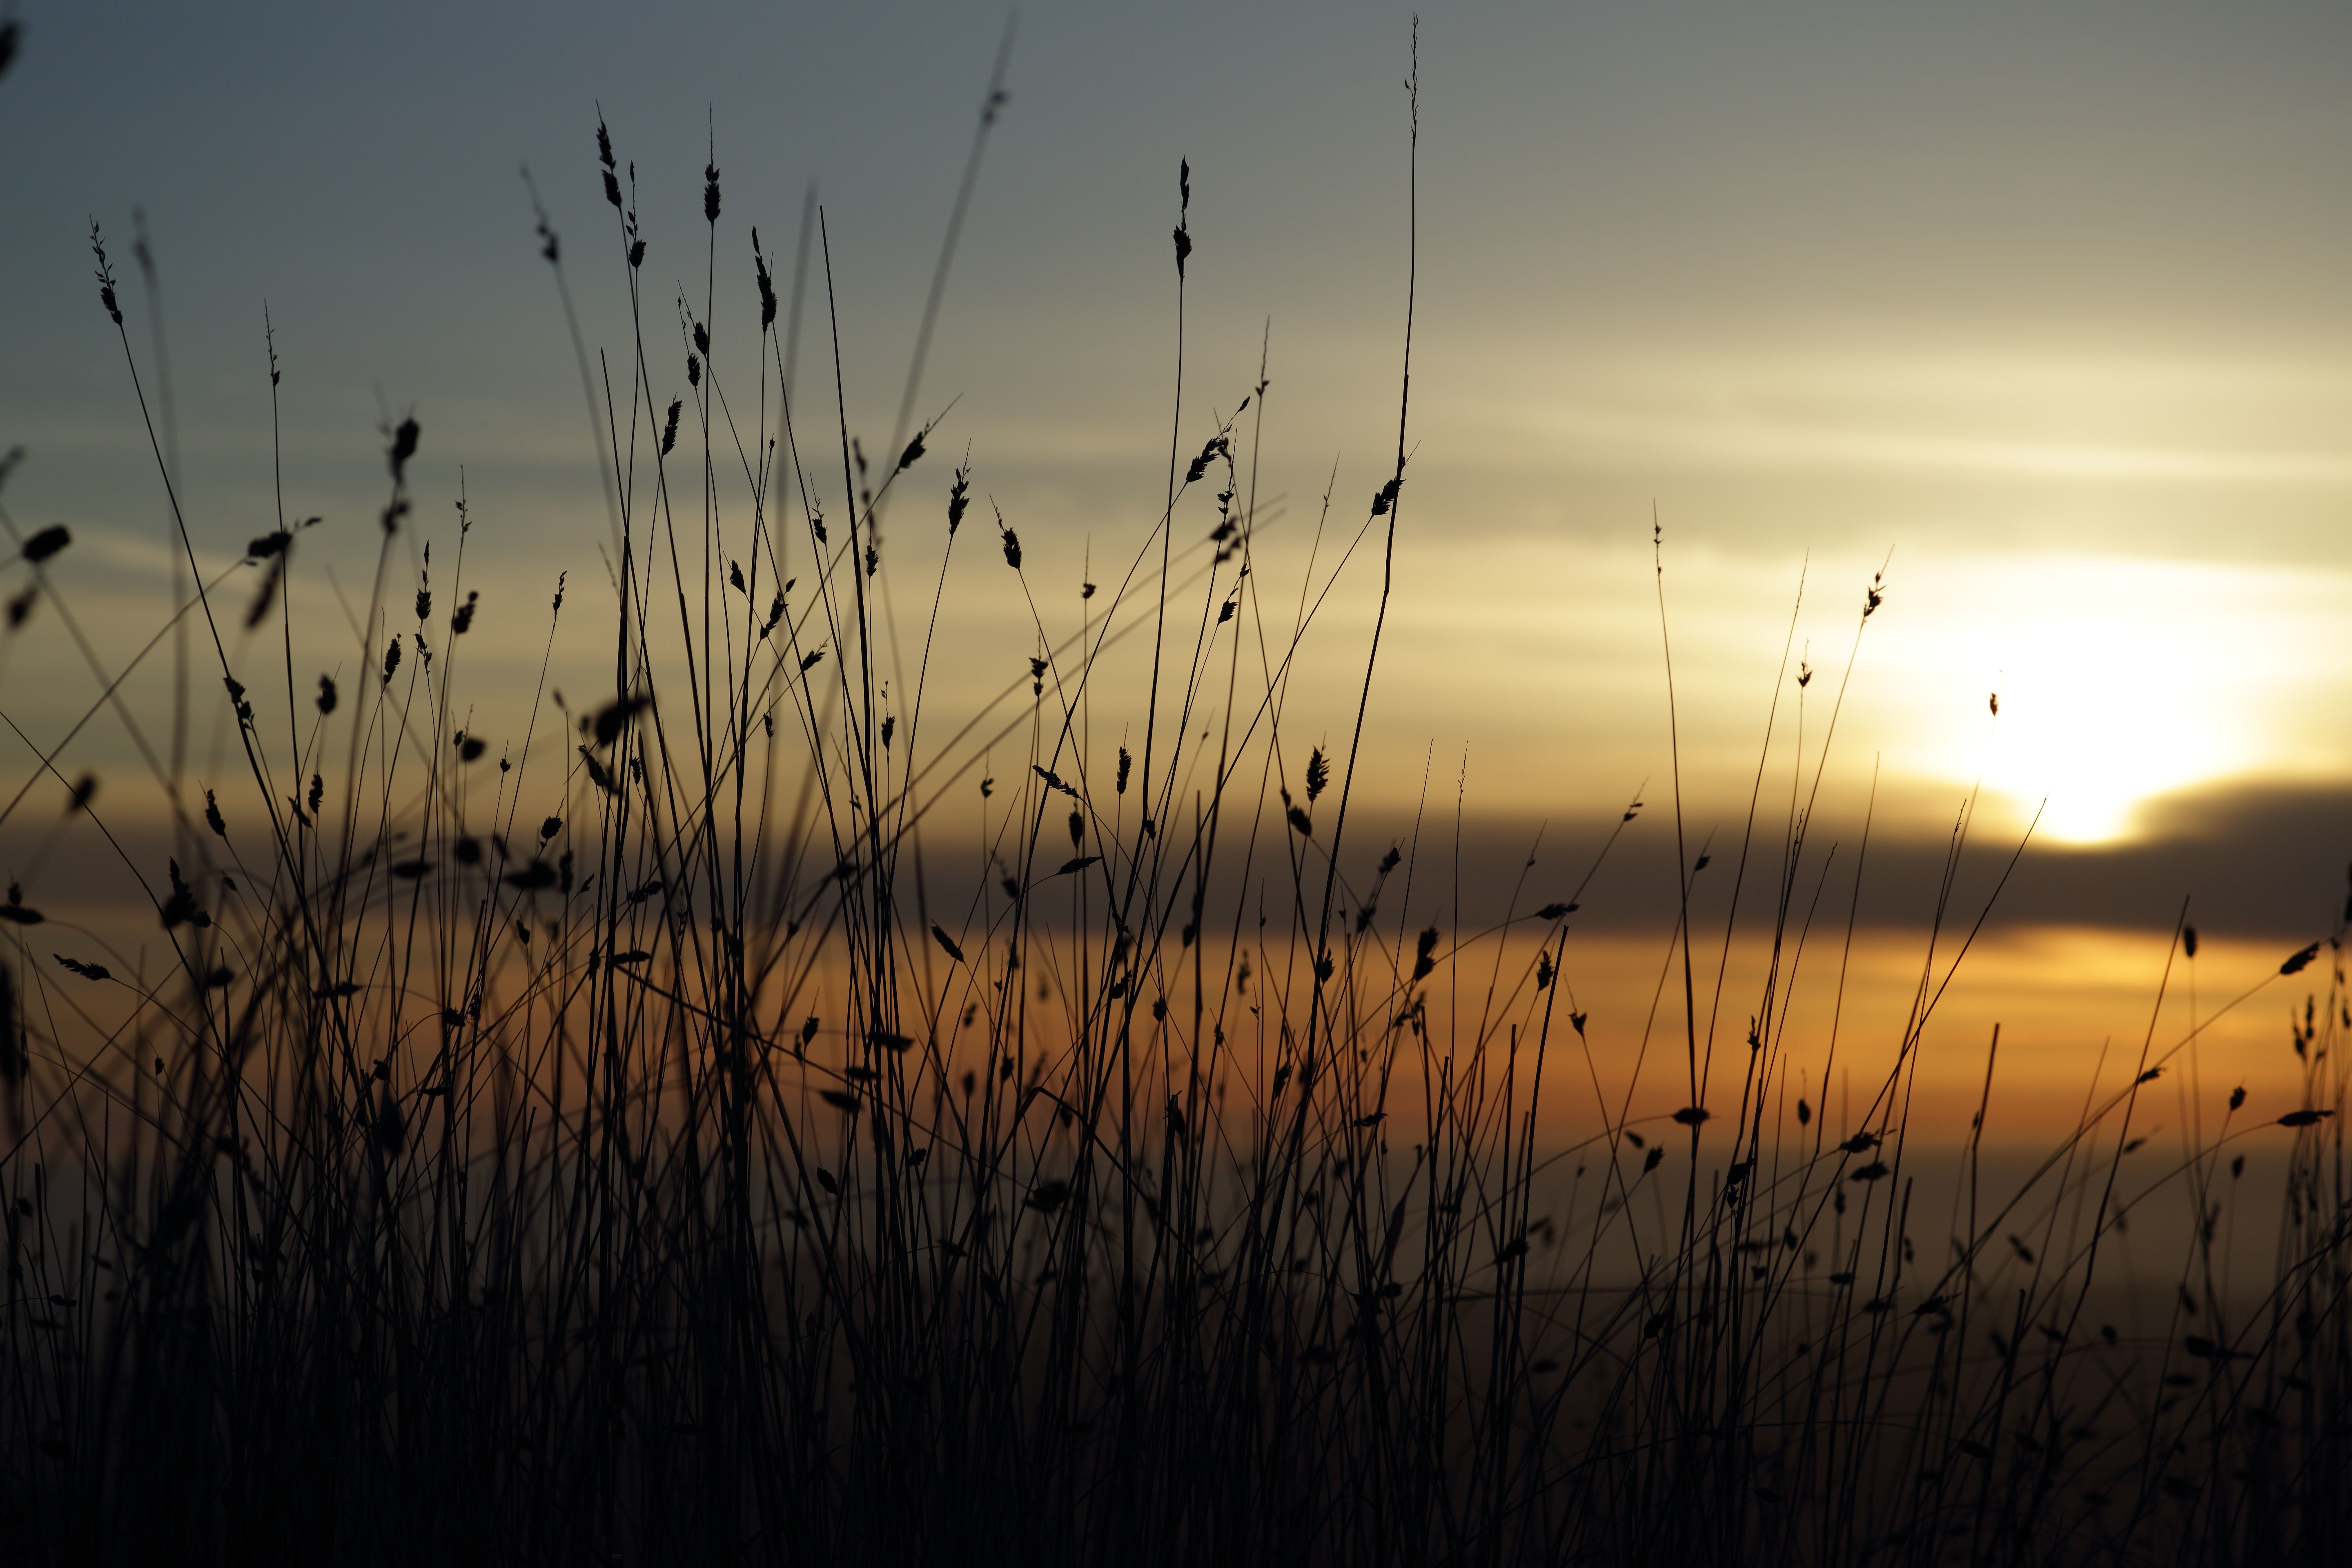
[616, 1142]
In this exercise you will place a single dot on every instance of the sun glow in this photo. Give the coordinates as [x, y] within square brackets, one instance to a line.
[2116, 680]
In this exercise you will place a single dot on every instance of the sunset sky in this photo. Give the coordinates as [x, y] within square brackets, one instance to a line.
[2044, 310]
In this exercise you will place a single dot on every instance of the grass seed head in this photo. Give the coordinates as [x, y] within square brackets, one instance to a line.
[105, 276]
[958, 500]
[404, 448]
[768, 294]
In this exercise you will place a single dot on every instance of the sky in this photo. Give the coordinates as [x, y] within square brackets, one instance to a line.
[2039, 311]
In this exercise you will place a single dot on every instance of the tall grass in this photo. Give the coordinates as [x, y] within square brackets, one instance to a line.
[646, 1137]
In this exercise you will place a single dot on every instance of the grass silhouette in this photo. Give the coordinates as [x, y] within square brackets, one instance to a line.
[692, 1171]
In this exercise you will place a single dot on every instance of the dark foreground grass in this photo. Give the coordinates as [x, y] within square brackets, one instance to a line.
[616, 1142]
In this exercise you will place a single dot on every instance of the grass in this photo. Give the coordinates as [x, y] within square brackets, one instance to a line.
[625, 1141]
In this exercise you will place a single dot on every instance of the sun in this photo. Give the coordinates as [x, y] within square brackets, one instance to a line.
[2101, 716]
[2085, 687]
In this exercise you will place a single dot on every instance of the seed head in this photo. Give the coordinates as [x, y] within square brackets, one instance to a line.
[1219, 444]
[768, 290]
[958, 500]
[105, 276]
[616, 717]
[404, 447]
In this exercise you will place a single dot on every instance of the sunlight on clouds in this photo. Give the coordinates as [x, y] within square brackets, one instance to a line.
[2095, 417]
[2120, 681]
